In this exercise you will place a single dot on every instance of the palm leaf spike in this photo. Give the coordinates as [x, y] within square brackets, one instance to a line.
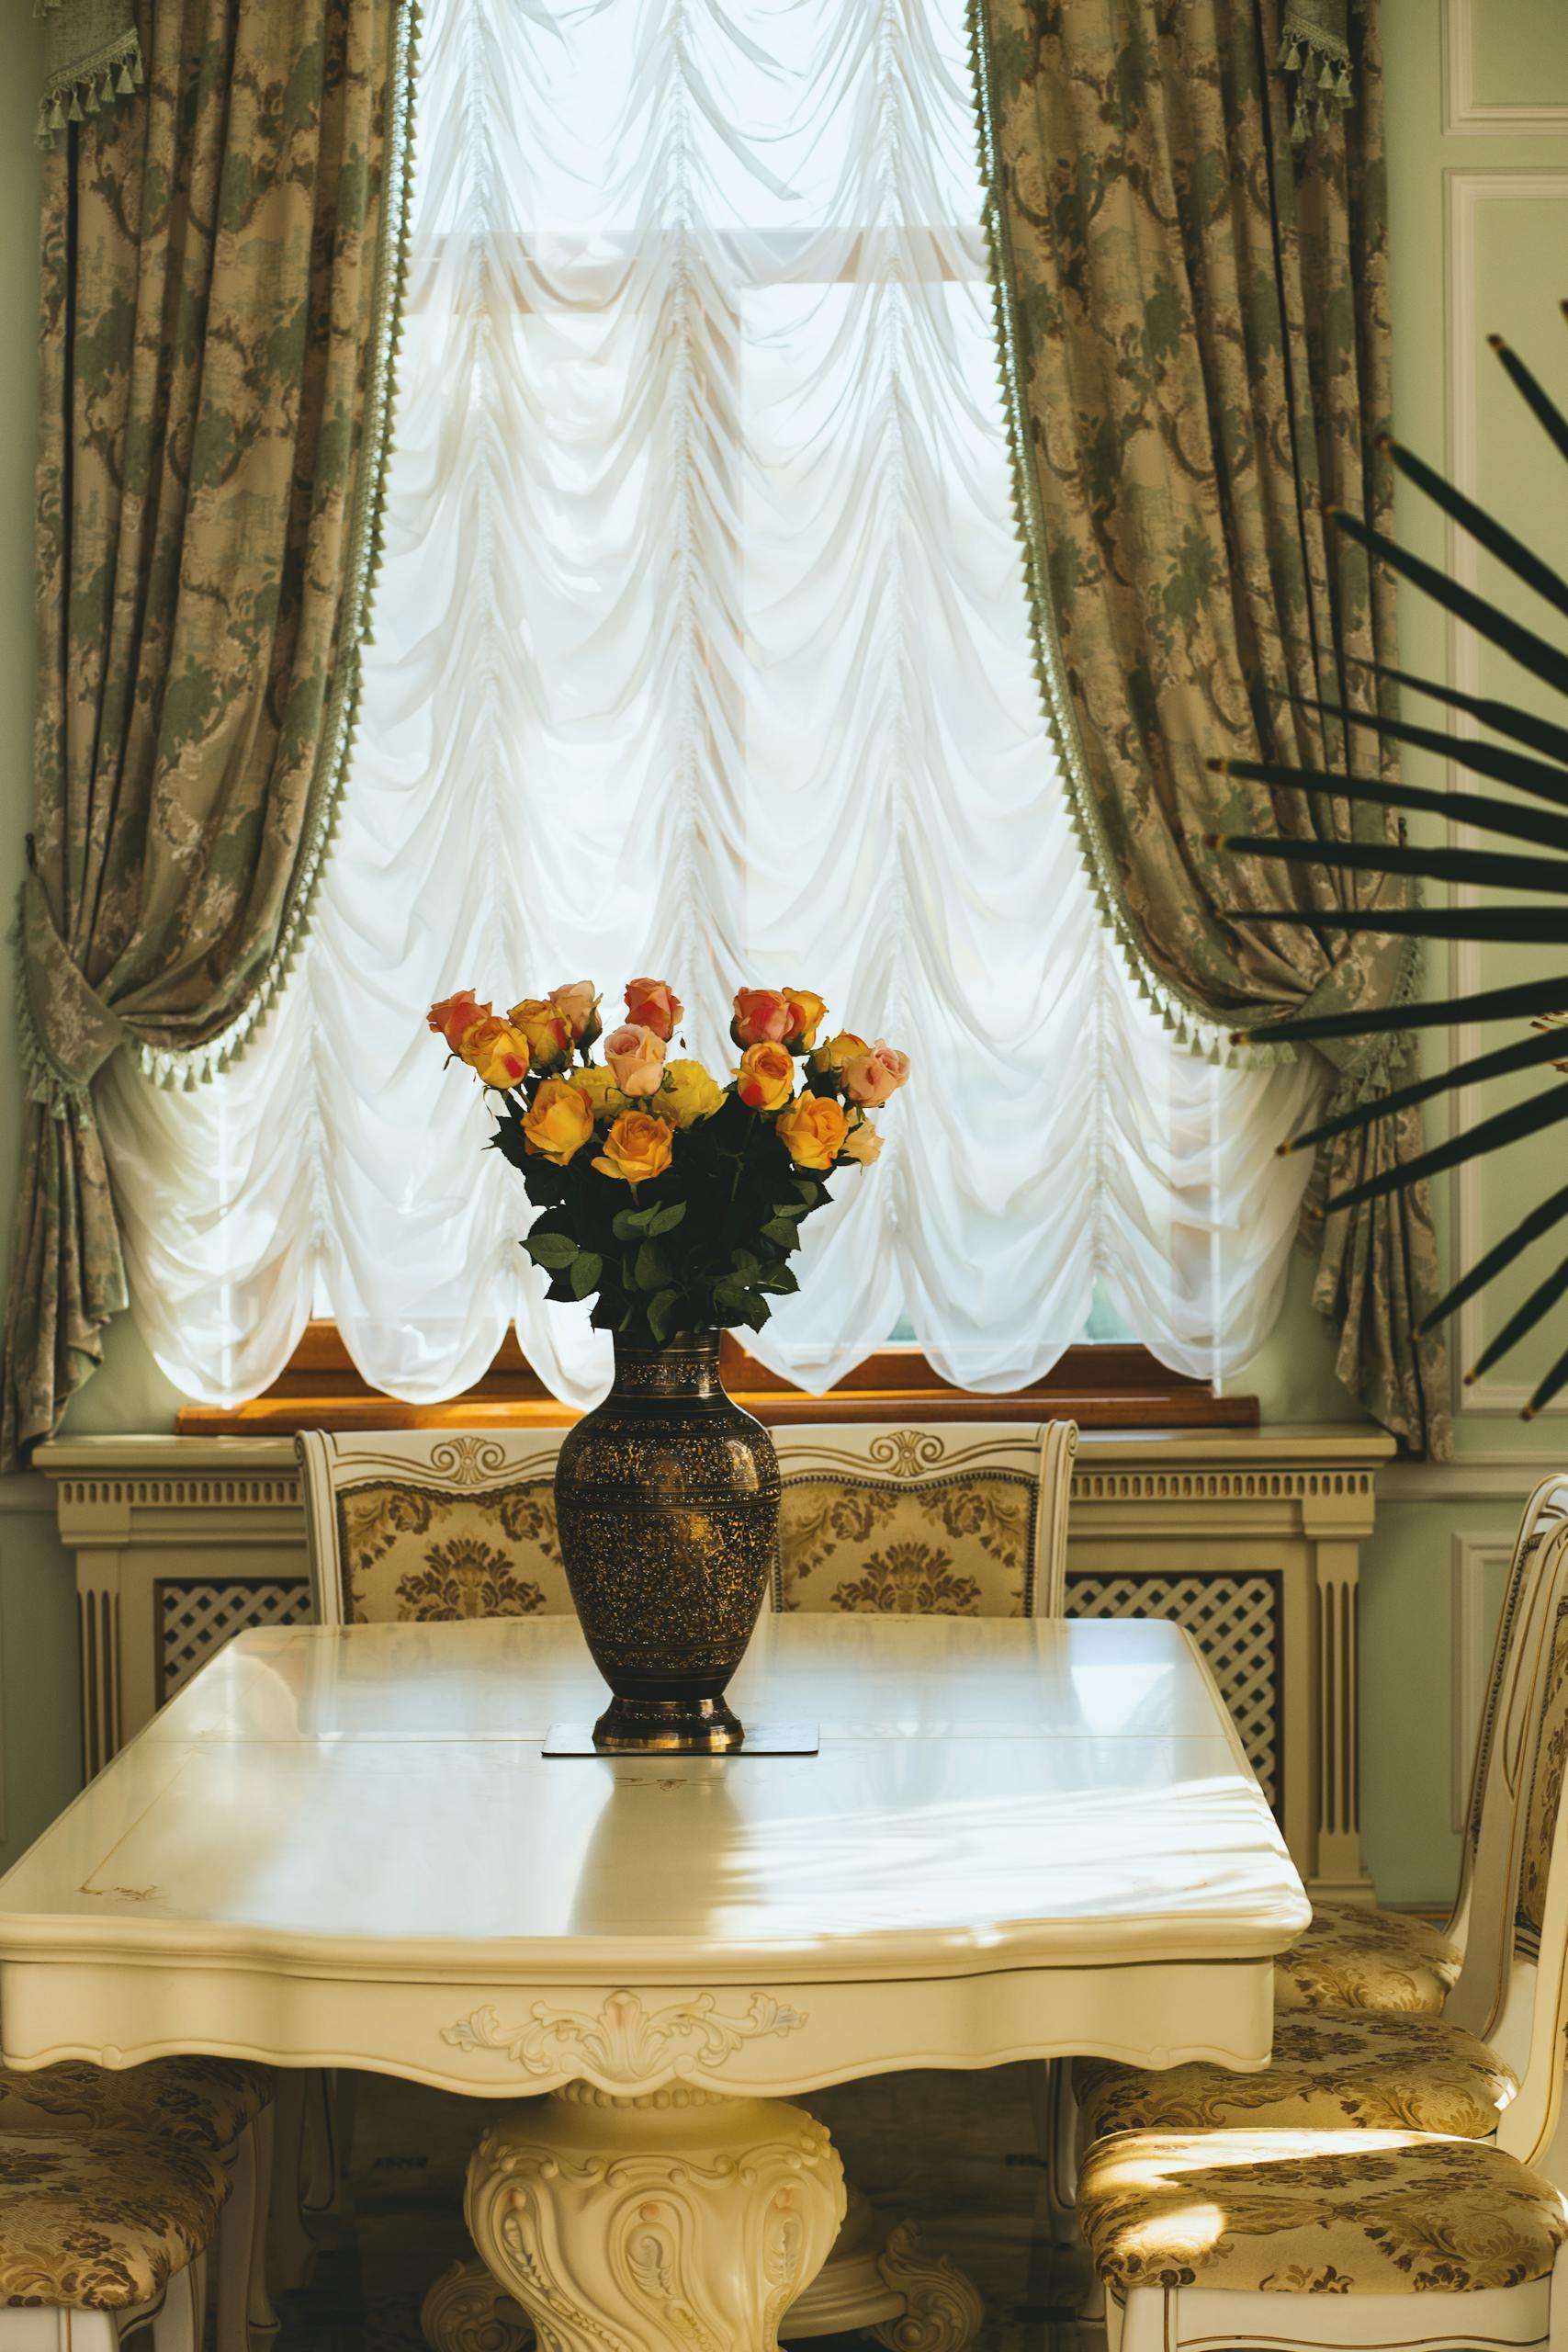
[1544, 775]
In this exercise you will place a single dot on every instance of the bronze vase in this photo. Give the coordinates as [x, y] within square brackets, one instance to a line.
[667, 1500]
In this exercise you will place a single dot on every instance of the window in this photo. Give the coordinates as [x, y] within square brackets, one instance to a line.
[702, 650]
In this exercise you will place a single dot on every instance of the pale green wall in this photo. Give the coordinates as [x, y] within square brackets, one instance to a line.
[1521, 264]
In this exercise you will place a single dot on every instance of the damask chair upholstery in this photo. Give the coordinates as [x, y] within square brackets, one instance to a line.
[1356, 1957]
[956, 1519]
[1492, 2065]
[219, 2108]
[419, 1526]
[1311, 2240]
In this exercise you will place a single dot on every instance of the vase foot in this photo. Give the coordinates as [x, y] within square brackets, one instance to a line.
[668, 1727]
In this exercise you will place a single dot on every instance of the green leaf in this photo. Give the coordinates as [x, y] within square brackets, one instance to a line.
[665, 1220]
[626, 1224]
[651, 1269]
[587, 1268]
[809, 1190]
[551, 1249]
[662, 1308]
[789, 1208]
[745, 1261]
[780, 1279]
[781, 1230]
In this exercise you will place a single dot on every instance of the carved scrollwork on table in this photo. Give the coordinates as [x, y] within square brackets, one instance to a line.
[624, 2046]
[465, 2311]
[943, 2311]
[630, 2225]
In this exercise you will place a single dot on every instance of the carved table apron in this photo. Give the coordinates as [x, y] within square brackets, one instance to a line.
[343, 1848]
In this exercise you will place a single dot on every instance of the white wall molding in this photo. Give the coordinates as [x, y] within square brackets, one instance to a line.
[1465, 114]
[1497, 1478]
[1467, 190]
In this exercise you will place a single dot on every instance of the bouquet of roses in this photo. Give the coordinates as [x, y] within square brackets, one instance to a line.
[672, 1201]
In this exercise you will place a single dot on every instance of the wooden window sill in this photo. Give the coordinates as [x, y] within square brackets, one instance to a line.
[1105, 1388]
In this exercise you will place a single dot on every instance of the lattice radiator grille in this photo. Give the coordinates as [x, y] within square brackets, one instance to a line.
[1236, 1620]
[194, 1616]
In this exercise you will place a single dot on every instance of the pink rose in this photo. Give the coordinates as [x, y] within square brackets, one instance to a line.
[762, 1017]
[653, 1004]
[578, 1004]
[636, 1055]
[870, 1079]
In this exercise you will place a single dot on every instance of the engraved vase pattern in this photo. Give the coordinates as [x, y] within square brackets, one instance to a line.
[667, 1501]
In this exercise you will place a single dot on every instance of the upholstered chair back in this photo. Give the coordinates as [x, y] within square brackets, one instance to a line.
[1494, 1781]
[408, 1526]
[1514, 1983]
[956, 1519]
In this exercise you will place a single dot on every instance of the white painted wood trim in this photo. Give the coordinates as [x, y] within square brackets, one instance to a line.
[1472, 1637]
[1465, 114]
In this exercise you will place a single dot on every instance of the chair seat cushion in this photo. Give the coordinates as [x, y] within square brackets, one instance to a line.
[105, 2223]
[1355, 1957]
[208, 2101]
[1316, 2213]
[1377, 2073]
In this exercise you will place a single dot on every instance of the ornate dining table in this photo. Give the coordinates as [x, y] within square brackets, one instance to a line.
[347, 1848]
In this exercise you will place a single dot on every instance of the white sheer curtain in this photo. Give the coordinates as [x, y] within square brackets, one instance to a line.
[701, 649]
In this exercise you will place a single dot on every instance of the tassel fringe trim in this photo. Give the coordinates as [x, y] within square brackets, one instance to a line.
[92, 83]
[1317, 64]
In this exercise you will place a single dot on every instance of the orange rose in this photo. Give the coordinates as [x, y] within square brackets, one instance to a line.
[653, 1004]
[862, 1143]
[870, 1079]
[548, 1031]
[762, 1017]
[813, 1130]
[636, 1058]
[765, 1079]
[455, 1013]
[558, 1121]
[805, 1013]
[578, 1004]
[496, 1052]
[636, 1148]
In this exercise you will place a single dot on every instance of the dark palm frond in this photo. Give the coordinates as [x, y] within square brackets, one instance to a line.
[1540, 772]
[1502, 718]
[1518, 1002]
[1484, 810]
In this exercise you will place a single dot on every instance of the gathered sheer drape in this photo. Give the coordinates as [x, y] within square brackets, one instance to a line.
[702, 650]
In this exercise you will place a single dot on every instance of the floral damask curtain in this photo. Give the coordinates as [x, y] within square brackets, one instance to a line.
[1193, 313]
[220, 275]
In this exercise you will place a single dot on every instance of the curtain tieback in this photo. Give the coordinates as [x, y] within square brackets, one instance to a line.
[73, 1031]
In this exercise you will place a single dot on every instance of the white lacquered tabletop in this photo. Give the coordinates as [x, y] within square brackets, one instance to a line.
[338, 1843]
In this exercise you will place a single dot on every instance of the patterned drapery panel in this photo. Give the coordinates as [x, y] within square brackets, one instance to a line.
[1193, 313]
[221, 269]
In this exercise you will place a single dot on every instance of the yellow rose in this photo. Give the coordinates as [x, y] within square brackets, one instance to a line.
[558, 1121]
[765, 1079]
[838, 1050]
[547, 1030]
[862, 1143]
[805, 1017]
[813, 1130]
[605, 1097]
[495, 1052]
[688, 1094]
[638, 1148]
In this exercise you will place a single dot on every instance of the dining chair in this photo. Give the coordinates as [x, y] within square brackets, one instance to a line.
[102, 2234]
[422, 1526]
[221, 2107]
[1355, 1956]
[1491, 2066]
[943, 1518]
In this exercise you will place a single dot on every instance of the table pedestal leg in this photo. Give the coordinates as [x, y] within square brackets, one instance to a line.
[654, 2224]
